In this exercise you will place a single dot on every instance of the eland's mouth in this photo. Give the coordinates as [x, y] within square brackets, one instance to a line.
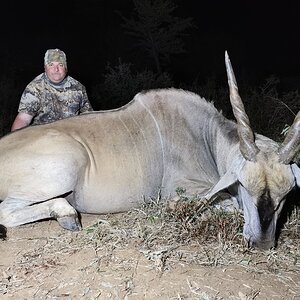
[255, 241]
[262, 244]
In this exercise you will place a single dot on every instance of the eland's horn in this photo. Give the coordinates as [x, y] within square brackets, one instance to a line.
[246, 136]
[291, 143]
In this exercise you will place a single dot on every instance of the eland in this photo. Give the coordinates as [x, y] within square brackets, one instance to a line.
[110, 161]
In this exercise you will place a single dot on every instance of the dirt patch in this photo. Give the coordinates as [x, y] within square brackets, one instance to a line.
[110, 259]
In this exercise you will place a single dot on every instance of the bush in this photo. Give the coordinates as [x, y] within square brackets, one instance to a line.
[121, 85]
[269, 110]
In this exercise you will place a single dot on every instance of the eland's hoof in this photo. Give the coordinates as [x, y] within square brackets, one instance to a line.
[70, 223]
[3, 232]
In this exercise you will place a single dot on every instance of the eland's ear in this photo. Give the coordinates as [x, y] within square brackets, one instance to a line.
[228, 179]
[296, 172]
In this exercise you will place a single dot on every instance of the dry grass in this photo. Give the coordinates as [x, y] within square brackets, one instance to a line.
[187, 232]
[191, 231]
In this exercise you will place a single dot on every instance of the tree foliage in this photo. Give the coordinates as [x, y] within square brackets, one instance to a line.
[156, 31]
[121, 84]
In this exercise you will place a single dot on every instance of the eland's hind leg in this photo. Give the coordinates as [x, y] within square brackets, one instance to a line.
[15, 212]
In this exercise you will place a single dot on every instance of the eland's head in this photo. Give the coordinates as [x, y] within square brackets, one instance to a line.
[266, 175]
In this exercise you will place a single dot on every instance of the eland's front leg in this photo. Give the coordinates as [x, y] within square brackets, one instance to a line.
[15, 212]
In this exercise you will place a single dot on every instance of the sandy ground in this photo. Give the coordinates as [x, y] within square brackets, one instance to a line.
[43, 261]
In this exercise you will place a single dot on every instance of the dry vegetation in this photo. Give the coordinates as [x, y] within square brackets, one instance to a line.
[166, 231]
[162, 238]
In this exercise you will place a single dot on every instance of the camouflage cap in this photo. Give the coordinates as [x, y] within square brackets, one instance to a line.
[55, 55]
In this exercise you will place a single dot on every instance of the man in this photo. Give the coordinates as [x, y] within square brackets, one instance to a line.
[52, 95]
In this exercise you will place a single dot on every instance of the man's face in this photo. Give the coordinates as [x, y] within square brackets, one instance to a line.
[56, 71]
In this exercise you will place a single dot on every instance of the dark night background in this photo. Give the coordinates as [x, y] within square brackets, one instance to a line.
[262, 38]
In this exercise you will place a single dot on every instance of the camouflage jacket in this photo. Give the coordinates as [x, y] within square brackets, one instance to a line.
[48, 102]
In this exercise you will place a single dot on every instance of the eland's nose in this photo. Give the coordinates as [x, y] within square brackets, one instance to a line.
[263, 245]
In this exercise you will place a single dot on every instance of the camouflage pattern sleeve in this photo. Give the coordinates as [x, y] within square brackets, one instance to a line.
[85, 104]
[29, 102]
